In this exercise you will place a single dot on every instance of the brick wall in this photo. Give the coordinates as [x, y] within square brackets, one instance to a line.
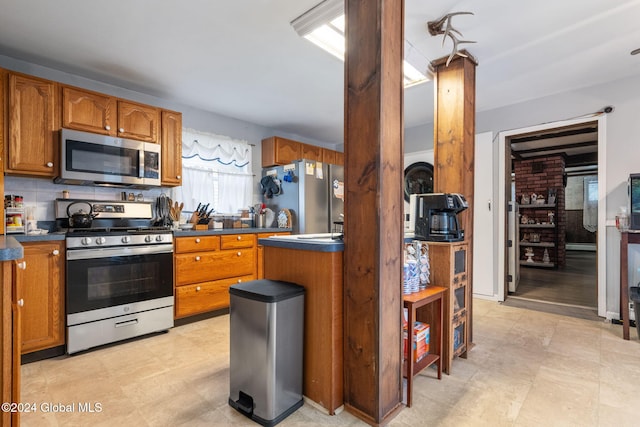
[537, 176]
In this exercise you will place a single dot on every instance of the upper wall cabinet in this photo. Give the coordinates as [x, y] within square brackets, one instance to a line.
[281, 151]
[99, 113]
[171, 141]
[34, 121]
[138, 121]
[88, 111]
[311, 152]
[329, 156]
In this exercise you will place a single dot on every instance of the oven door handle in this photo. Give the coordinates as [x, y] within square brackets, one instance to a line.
[111, 252]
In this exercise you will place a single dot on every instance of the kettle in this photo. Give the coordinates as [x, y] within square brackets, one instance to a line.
[80, 219]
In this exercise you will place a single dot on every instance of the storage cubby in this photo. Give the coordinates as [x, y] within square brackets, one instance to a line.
[449, 269]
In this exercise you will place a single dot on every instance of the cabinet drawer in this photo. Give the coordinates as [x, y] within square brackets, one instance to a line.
[197, 244]
[203, 297]
[234, 241]
[205, 266]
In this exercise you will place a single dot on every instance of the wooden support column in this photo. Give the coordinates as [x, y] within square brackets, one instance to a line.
[374, 147]
[454, 142]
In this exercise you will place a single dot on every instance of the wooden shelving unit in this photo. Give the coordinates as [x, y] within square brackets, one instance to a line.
[449, 268]
[548, 241]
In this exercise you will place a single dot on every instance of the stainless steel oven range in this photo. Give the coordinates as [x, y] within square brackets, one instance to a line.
[119, 275]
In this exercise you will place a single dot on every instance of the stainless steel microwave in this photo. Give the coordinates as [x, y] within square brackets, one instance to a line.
[93, 159]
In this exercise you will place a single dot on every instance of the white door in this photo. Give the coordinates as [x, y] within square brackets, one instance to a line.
[484, 241]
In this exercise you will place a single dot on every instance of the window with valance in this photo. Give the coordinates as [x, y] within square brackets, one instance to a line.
[216, 170]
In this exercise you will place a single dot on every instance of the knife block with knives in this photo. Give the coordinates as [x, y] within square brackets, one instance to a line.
[201, 217]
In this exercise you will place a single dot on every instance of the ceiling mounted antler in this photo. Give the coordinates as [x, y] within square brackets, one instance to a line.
[436, 28]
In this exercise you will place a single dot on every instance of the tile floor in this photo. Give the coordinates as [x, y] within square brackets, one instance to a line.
[527, 368]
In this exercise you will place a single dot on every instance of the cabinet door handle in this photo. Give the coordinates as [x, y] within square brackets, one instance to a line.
[239, 253]
[49, 164]
[22, 265]
[179, 177]
[198, 258]
[239, 280]
[198, 240]
[20, 302]
[197, 288]
[56, 252]
[121, 130]
[107, 127]
[239, 237]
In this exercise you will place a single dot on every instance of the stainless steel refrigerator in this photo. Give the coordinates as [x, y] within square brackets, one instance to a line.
[312, 192]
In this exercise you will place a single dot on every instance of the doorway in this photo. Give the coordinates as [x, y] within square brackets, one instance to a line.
[567, 270]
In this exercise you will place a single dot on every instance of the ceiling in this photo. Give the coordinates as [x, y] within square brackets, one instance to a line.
[243, 59]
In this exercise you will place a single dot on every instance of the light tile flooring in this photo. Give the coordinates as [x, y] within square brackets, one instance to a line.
[527, 368]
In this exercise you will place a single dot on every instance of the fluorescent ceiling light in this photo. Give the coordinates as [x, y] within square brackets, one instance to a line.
[324, 26]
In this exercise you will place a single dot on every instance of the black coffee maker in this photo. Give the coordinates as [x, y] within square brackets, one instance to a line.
[436, 216]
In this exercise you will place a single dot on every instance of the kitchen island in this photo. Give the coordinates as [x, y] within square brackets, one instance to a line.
[315, 262]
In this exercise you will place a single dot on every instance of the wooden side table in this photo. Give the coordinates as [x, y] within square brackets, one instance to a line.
[431, 297]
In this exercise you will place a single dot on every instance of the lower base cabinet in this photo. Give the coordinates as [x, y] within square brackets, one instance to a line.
[42, 284]
[205, 296]
[10, 317]
[205, 267]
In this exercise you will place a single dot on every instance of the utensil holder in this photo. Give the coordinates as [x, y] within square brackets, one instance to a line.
[261, 220]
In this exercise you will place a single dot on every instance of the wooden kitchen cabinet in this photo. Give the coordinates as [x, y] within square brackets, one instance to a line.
[10, 318]
[311, 152]
[328, 156]
[33, 125]
[171, 146]
[205, 267]
[3, 135]
[449, 269]
[42, 284]
[89, 111]
[138, 121]
[280, 151]
[205, 296]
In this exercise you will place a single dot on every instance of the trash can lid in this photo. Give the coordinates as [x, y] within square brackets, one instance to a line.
[266, 290]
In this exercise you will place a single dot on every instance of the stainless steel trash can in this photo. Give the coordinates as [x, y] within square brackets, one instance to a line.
[266, 328]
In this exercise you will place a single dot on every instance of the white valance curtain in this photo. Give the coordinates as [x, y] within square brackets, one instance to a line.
[217, 170]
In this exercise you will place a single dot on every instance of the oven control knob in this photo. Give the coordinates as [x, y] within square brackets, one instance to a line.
[100, 240]
[86, 241]
[126, 239]
[159, 238]
[148, 238]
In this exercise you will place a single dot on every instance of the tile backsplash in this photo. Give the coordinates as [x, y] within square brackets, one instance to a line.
[41, 193]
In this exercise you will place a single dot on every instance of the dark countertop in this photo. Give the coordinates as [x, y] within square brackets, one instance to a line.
[221, 231]
[10, 249]
[60, 235]
[323, 244]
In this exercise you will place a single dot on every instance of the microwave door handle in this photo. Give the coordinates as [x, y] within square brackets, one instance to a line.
[141, 168]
